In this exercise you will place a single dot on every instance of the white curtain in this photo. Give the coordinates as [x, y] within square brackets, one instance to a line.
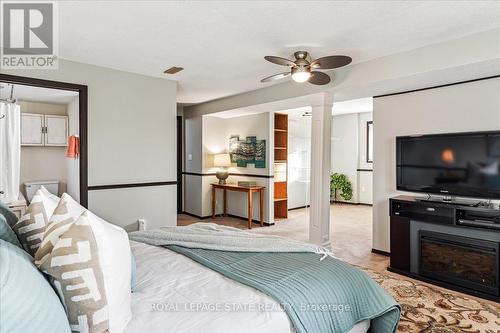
[10, 151]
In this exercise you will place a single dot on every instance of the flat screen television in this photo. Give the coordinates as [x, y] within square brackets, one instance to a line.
[458, 164]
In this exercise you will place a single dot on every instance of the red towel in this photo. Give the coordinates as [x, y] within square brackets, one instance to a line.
[73, 147]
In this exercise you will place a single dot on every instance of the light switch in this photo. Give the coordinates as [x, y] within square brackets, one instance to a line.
[190, 157]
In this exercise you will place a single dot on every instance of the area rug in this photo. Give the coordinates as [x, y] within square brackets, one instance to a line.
[431, 310]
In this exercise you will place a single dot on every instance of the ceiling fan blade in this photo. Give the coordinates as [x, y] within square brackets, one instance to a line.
[275, 77]
[319, 78]
[279, 61]
[331, 62]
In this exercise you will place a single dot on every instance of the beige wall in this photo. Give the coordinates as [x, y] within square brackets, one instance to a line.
[466, 107]
[348, 154]
[43, 163]
[205, 136]
[131, 139]
[216, 133]
[344, 150]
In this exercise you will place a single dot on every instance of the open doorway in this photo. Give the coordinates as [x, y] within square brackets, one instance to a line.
[46, 141]
[351, 178]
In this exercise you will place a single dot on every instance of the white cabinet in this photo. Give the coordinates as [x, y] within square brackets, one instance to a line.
[44, 130]
[56, 130]
[32, 128]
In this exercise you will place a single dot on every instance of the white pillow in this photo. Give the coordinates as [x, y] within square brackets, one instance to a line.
[114, 257]
[63, 216]
[50, 201]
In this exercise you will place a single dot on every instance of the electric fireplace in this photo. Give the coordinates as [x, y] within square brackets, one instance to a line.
[467, 262]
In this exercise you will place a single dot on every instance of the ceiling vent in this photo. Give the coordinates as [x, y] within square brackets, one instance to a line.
[173, 70]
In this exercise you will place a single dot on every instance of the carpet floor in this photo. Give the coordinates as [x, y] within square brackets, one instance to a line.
[427, 309]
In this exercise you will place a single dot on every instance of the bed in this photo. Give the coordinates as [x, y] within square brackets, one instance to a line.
[198, 278]
[166, 281]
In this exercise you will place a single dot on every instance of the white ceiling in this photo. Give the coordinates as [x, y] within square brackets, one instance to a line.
[38, 94]
[221, 44]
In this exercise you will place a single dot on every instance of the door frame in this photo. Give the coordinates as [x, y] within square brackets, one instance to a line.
[83, 120]
[179, 164]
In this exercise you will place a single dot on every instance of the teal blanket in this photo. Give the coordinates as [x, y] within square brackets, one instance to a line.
[319, 293]
[318, 296]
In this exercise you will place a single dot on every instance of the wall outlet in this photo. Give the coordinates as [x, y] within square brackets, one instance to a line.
[141, 224]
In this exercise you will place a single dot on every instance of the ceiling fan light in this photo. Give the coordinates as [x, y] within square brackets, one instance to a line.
[301, 74]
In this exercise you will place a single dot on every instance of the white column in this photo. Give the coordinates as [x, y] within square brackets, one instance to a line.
[319, 221]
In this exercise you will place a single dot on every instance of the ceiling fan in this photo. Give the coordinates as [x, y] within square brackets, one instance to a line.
[303, 68]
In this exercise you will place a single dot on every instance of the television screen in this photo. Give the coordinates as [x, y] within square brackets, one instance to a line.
[462, 164]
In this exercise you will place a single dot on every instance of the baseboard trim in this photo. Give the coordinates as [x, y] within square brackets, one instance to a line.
[246, 219]
[230, 215]
[335, 202]
[383, 253]
[350, 203]
[196, 216]
[300, 207]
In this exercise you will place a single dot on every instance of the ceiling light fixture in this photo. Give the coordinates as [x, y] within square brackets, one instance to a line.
[304, 69]
[301, 74]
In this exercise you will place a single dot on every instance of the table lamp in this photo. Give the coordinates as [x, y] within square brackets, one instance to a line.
[222, 161]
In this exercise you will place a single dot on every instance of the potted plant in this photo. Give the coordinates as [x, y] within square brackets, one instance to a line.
[340, 184]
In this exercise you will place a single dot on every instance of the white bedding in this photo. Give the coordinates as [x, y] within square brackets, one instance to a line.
[171, 286]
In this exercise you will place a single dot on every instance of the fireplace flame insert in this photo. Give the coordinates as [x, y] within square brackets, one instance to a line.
[466, 262]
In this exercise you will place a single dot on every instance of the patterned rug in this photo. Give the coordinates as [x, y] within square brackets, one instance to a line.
[432, 310]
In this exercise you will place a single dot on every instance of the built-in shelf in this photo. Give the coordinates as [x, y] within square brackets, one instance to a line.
[280, 170]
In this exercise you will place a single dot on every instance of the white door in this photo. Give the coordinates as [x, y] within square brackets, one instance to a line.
[32, 129]
[56, 130]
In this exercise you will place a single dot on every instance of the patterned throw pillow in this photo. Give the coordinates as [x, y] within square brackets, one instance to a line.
[65, 214]
[75, 270]
[31, 226]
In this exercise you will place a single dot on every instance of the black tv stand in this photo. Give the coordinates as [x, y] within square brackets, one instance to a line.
[455, 245]
[456, 202]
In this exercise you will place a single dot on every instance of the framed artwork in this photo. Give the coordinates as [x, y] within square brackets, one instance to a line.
[246, 151]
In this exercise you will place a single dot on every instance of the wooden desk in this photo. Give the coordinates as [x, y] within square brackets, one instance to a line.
[249, 191]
